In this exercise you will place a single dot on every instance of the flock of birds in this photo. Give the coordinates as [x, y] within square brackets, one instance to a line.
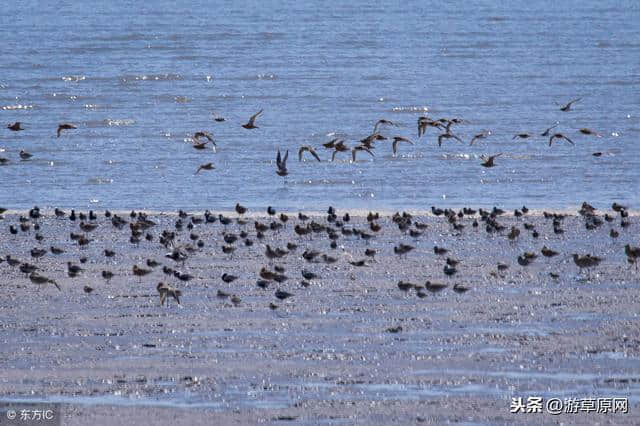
[201, 139]
[182, 241]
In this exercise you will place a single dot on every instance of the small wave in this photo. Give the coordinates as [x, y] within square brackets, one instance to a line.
[151, 77]
[75, 78]
[99, 181]
[410, 109]
[13, 107]
[110, 122]
[181, 99]
[266, 76]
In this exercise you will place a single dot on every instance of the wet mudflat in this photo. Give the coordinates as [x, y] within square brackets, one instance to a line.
[348, 347]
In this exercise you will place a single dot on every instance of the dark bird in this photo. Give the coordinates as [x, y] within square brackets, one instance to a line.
[282, 295]
[56, 250]
[567, 107]
[87, 289]
[434, 287]
[404, 286]
[358, 149]
[478, 136]
[559, 136]
[65, 126]
[449, 271]
[140, 272]
[547, 132]
[488, 161]
[227, 278]
[206, 166]
[460, 289]
[308, 149]
[107, 275]
[380, 122]
[448, 136]
[396, 140]
[589, 132]
[586, 261]
[240, 209]
[251, 124]
[440, 250]
[309, 275]
[281, 163]
[522, 136]
[17, 126]
[24, 155]
[547, 252]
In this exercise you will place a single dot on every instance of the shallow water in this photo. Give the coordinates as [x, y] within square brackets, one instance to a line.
[138, 80]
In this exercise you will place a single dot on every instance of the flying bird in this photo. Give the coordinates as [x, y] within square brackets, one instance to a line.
[207, 166]
[281, 163]
[447, 136]
[559, 136]
[359, 148]
[203, 134]
[488, 161]
[382, 121]
[310, 150]
[252, 121]
[546, 132]
[65, 126]
[567, 107]
[482, 135]
[396, 140]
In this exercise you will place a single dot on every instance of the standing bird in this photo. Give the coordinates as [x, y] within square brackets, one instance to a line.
[310, 150]
[17, 126]
[567, 107]
[488, 161]
[252, 121]
[281, 163]
[65, 126]
[559, 136]
[166, 290]
[207, 166]
[24, 155]
[396, 140]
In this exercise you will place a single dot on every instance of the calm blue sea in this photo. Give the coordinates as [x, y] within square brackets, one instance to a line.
[139, 78]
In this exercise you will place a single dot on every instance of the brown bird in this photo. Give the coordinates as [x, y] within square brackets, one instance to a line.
[586, 261]
[207, 166]
[567, 107]
[586, 131]
[310, 150]
[488, 161]
[17, 126]
[139, 272]
[241, 209]
[482, 135]
[339, 147]
[546, 252]
[382, 121]
[165, 290]
[65, 126]
[559, 136]
[360, 148]
[396, 140]
[41, 280]
[251, 124]
[448, 136]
